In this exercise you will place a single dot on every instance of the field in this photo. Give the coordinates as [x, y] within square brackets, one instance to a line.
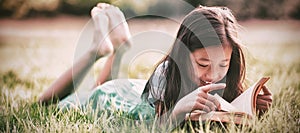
[34, 52]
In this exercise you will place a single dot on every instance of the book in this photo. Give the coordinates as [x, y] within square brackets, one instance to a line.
[244, 106]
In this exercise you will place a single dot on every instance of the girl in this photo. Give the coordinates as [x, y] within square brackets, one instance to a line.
[210, 54]
[206, 58]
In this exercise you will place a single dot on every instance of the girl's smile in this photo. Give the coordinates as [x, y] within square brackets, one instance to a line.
[211, 63]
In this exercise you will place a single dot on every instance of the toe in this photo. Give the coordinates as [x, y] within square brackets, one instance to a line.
[103, 5]
[95, 11]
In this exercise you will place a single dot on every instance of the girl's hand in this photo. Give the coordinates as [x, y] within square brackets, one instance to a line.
[199, 100]
[264, 100]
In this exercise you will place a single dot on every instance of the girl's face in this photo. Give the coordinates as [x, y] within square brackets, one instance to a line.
[211, 63]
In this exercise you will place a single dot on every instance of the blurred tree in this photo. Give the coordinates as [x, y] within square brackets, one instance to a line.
[79, 7]
[243, 9]
[164, 8]
[133, 8]
[21, 8]
[292, 9]
[24, 8]
[270, 9]
[295, 13]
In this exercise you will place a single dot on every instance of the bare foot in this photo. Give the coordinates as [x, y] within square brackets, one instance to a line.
[118, 27]
[102, 44]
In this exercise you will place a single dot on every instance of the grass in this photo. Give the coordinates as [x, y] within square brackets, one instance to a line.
[20, 113]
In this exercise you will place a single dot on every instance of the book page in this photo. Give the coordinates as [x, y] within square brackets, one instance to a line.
[225, 106]
[246, 102]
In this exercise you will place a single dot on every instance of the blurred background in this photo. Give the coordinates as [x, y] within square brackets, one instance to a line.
[244, 9]
[39, 38]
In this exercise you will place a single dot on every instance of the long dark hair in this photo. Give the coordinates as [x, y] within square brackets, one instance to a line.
[203, 27]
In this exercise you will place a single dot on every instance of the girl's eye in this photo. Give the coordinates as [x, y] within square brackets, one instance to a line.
[202, 65]
[223, 65]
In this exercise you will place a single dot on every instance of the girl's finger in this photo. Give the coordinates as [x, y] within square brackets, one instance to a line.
[207, 103]
[266, 91]
[203, 95]
[210, 98]
[214, 100]
[199, 106]
[212, 87]
[263, 102]
[265, 97]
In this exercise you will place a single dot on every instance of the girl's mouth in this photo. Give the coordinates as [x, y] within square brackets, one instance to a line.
[203, 83]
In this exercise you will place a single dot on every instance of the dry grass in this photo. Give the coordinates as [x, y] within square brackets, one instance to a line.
[32, 56]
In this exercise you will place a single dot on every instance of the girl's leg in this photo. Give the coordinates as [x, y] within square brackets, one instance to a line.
[64, 85]
[105, 74]
[119, 35]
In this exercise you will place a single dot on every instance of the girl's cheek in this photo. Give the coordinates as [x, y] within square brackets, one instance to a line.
[199, 72]
[223, 73]
[196, 74]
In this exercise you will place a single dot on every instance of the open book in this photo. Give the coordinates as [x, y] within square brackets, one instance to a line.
[244, 106]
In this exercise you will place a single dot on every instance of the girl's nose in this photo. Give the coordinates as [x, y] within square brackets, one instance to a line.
[211, 76]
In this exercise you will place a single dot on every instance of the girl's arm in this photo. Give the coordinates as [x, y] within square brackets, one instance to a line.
[64, 85]
[199, 99]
